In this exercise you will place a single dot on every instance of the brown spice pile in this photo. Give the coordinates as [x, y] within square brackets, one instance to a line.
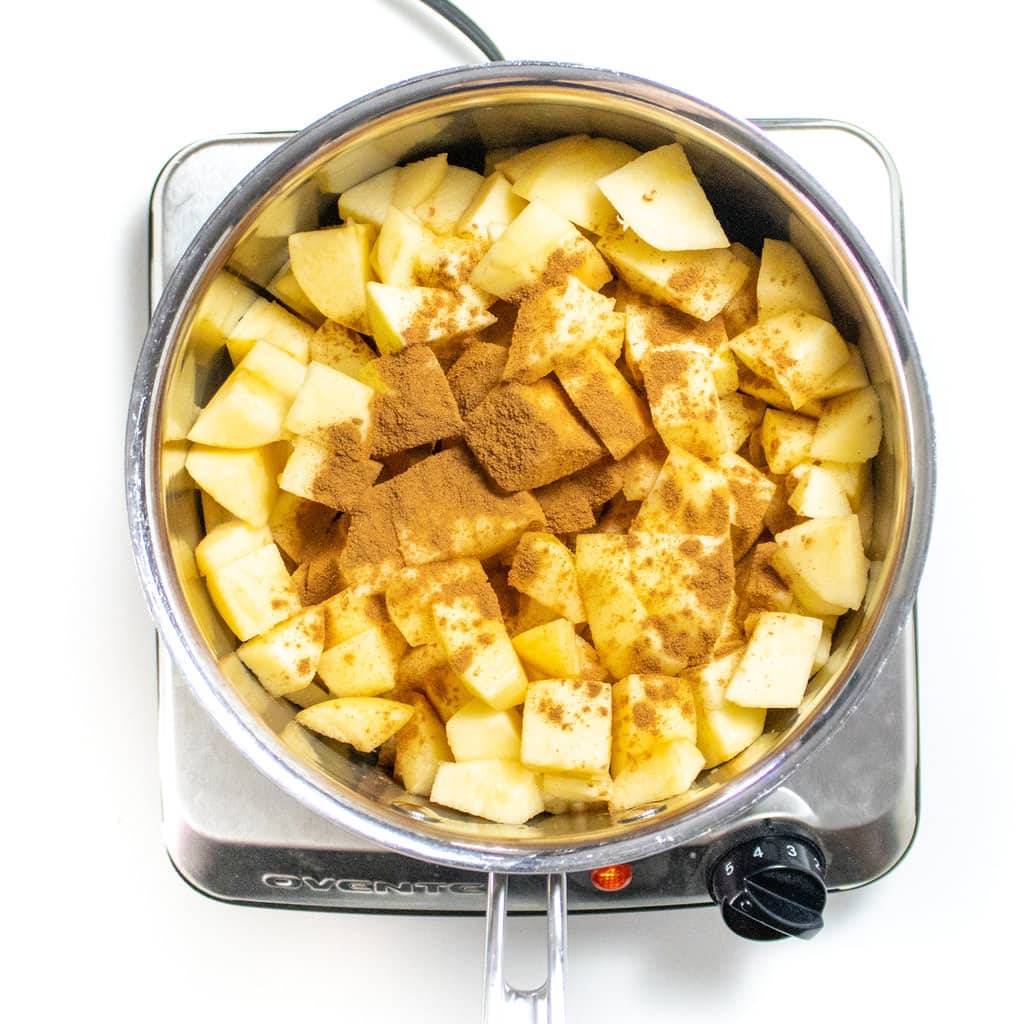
[476, 372]
[527, 435]
[413, 404]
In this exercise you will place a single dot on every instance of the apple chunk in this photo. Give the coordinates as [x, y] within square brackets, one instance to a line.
[539, 249]
[567, 726]
[658, 196]
[822, 561]
[284, 659]
[332, 266]
[243, 480]
[543, 568]
[668, 771]
[698, 282]
[774, 669]
[365, 722]
[784, 282]
[495, 789]
[795, 350]
[478, 647]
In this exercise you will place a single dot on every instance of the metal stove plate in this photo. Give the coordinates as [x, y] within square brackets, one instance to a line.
[232, 834]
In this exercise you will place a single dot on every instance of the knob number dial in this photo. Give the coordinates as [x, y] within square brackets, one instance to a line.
[771, 887]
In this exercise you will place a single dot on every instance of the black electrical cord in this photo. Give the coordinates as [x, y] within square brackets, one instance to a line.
[467, 26]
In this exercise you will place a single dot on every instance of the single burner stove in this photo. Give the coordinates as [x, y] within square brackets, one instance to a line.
[233, 835]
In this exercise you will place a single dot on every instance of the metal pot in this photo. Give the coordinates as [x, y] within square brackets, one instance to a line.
[758, 191]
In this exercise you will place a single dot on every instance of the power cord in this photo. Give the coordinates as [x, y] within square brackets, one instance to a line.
[467, 26]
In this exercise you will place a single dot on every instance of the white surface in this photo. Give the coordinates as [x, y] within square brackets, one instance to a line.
[96, 97]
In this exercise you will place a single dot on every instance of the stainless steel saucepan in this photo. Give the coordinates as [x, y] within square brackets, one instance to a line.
[758, 191]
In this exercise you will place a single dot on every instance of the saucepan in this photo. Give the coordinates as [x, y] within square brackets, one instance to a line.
[758, 192]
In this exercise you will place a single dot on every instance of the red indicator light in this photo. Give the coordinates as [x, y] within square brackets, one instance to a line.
[612, 878]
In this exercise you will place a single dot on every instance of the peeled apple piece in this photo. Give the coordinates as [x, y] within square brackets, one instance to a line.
[823, 563]
[658, 196]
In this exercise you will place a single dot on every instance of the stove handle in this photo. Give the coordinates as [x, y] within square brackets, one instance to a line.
[504, 1004]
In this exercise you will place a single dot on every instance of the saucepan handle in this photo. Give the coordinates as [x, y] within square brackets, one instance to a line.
[504, 1004]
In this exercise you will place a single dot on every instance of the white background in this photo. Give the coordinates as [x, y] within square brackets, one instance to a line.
[96, 97]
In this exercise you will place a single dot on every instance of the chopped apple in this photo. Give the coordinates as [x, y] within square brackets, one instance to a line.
[603, 397]
[442, 210]
[550, 649]
[364, 722]
[700, 282]
[300, 528]
[225, 543]
[723, 728]
[527, 435]
[752, 494]
[797, 351]
[851, 376]
[686, 585]
[351, 612]
[640, 468]
[321, 474]
[822, 561]
[285, 288]
[340, 348]
[518, 162]
[477, 731]
[418, 180]
[646, 711]
[684, 400]
[740, 415]
[586, 789]
[543, 568]
[689, 496]
[368, 201]
[819, 493]
[498, 790]
[557, 323]
[758, 585]
[426, 669]
[284, 658]
[658, 196]
[421, 747]
[266, 321]
[786, 438]
[332, 266]
[539, 249]
[421, 316]
[668, 771]
[364, 665]
[223, 304]
[411, 593]
[396, 252]
[567, 726]
[567, 178]
[740, 312]
[333, 406]
[651, 325]
[245, 412]
[448, 488]
[478, 647]
[403, 417]
[494, 205]
[243, 480]
[850, 428]
[774, 669]
[785, 283]
[254, 592]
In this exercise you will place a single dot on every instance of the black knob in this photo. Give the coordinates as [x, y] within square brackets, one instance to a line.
[771, 887]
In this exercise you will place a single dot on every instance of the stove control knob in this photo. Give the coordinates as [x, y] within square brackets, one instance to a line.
[771, 887]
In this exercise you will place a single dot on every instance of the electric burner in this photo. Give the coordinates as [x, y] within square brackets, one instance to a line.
[234, 835]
